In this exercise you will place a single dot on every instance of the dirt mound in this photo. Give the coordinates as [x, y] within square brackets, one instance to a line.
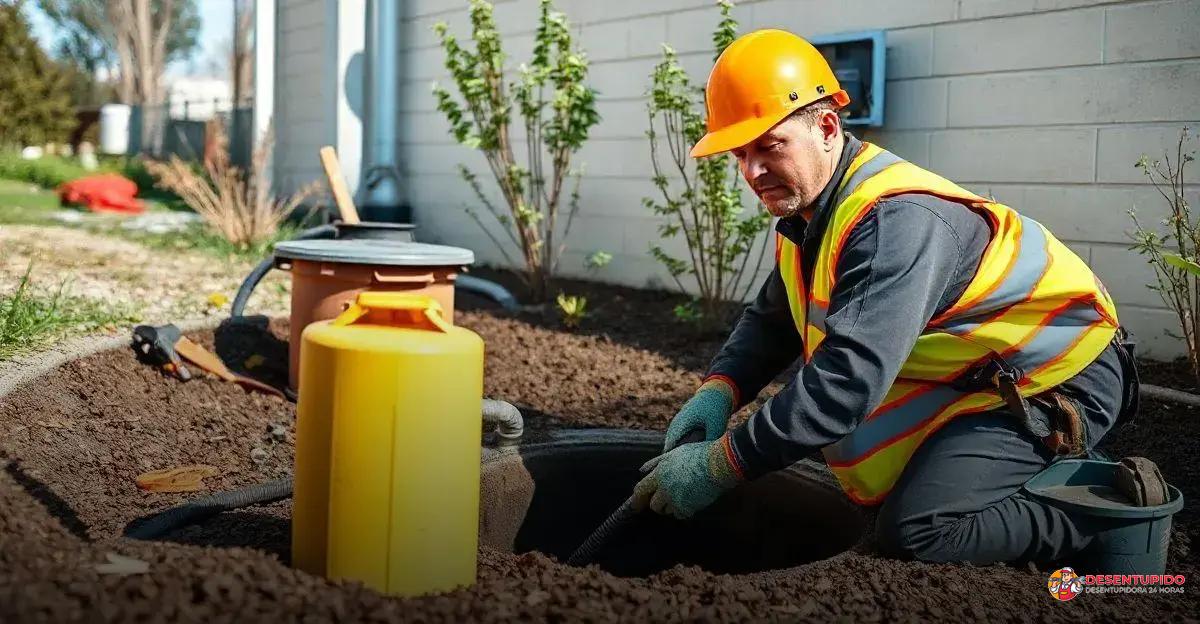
[72, 443]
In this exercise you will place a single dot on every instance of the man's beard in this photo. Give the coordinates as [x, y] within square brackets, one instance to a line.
[784, 208]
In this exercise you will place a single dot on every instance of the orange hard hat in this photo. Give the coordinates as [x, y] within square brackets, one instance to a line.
[758, 80]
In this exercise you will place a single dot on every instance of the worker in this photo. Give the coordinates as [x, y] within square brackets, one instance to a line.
[950, 348]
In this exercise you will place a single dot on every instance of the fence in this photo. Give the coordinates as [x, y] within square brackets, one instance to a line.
[180, 127]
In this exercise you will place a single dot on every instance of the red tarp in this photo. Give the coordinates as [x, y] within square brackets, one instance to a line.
[105, 192]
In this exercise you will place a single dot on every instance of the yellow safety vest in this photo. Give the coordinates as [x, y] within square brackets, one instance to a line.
[1032, 302]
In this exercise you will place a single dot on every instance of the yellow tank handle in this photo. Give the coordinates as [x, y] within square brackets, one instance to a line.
[368, 301]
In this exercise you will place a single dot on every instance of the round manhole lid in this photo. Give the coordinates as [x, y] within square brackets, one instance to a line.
[360, 251]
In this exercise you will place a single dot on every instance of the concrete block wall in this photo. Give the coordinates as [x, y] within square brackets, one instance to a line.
[302, 123]
[1044, 104]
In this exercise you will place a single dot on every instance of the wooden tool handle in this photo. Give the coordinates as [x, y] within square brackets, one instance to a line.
[337, 184]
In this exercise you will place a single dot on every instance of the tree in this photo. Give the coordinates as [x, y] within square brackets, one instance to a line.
[136, 38]
[36, 104]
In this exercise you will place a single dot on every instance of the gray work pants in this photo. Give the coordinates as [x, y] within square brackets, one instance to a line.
[959, 497]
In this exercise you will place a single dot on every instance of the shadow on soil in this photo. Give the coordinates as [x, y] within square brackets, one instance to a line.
[54, 504]
[240, 529]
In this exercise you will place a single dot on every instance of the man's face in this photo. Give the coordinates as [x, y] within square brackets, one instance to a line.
[789, 165]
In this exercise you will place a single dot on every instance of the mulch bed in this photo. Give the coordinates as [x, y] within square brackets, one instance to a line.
[72, 443]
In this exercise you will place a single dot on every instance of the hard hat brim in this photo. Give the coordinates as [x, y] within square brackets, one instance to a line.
[735, 136]
[745, 131]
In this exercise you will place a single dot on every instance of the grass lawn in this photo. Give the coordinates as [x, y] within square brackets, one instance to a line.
[22, 202]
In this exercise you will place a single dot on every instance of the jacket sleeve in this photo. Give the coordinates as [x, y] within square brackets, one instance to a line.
[763, 343]
[894, 273]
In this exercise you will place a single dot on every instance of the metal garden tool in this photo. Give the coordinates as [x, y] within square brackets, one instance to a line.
[622, 516]
[165, 346]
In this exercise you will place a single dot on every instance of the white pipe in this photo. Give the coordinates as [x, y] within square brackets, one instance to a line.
[507, 418]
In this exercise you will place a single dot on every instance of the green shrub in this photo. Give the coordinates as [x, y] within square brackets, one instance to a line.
[47, 172]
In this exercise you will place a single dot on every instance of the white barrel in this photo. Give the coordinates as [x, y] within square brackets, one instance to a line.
[114, 128]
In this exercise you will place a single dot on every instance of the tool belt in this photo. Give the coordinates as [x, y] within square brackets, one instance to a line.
[1064, 434]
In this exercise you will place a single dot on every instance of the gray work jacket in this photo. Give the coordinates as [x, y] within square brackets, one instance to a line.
[910, 258]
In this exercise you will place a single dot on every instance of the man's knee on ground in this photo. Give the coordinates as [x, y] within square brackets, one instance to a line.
[922, 540]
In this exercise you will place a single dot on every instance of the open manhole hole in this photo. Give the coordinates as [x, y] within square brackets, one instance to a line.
[549, 496]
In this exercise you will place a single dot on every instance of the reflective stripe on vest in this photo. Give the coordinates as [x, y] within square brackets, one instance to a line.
[1032, 302]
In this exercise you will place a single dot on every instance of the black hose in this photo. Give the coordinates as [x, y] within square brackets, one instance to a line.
[193, 511]
[268, 263]
[621, 517]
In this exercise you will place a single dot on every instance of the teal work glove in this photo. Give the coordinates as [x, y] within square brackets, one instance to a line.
[687, 479]
[709, 409]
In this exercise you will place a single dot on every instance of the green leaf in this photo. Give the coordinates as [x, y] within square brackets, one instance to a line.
[1180, 262]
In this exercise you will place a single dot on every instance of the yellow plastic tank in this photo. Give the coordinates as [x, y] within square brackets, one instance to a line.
[387, 447]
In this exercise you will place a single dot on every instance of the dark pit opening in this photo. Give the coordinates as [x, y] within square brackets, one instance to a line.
[549, 497]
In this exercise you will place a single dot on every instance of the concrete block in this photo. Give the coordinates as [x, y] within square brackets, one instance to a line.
[417, 95]
[817, 17]
[698, 66]
[1095, 213]
[418, 33]
[909, 53]
[589, 11]
[641, 233]
[646, 35]
[911, 145]
[1109, 93]
[302, 63]
[1056, 39]
[1121, 146]
[615, 196]
[621, 79]
[1152, 31]
[915, 104]
[975, 9]
[1015, 155]
[1125, 274]
[616, 158]
[428, 127]
[691, 31]
[591, 233]
[425, 65]
[444, 159]
[516, 17]
[621, 119]
[297, 15]
[421, 8]
[1156, 331]
[605, 41]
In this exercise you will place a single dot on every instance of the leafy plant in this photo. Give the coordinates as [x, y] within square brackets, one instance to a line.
[699, 198]
[557, 109]
[237, 204]
[1175, 254]
[597, 260]
[573, 309]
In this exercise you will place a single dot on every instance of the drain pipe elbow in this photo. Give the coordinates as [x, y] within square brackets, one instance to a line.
[488, 289]
[510, 425]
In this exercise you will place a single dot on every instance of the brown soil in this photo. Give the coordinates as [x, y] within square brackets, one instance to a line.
[72, 443]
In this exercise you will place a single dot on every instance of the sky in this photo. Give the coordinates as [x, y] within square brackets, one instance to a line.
[209, 59]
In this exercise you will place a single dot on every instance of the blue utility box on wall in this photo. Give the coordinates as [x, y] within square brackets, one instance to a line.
[858, 60]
